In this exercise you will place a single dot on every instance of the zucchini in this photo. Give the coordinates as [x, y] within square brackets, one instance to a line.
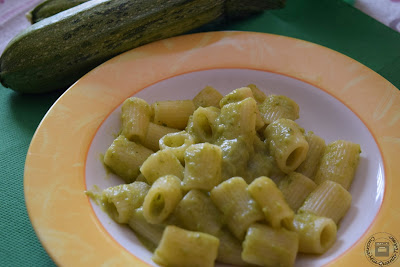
[55, 52]
[51, 7]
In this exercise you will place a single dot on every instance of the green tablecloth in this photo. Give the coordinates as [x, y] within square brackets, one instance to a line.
[331, 23]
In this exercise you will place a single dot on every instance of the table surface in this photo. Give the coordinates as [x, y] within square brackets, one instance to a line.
[331, 23]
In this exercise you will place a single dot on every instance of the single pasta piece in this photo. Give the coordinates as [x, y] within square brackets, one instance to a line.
[196, 212]
[259, 95]
[161, 163]
[316, 234]
[237, 206]
[277, 107]
[230, 249]
[180, 247]
[125, 157]
[174, 114]
[272, 202]
[162, 198]
[148, 233]
[154, 134]
[236, 95]
[177, 143]
[119, 201]
[267, 246]
[316, 148]
[203, 164]
[207, 97]
[339, 163]
[135, 116]
[295, 187]
[238, 119]
[329, 199]
[203, 124]
[287, 144]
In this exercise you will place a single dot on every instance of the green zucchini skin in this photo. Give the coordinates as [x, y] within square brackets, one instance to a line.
[51, 7]
[55, 52]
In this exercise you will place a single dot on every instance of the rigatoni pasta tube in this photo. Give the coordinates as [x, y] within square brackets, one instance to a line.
[238, 95]
[161, 163]
[238, 119]
[135, 116]
[267, 246]
[202, 124]
[259, 95]
[237, 206]
[295, 187]
[203, 164]
[339, 163]
[173, 113]
[286, 143]
[162, 198]
[316, 234]
[329, 199]
[196, 212]
[316, 148]
[277, 107]
[154, 134]
[124, 158]
[177, 143]
[119, 201]
[272, 202]
[180, 247]
[207, 97]
[150, 234]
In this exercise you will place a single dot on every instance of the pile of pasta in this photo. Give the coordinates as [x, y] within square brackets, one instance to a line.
[232, 179]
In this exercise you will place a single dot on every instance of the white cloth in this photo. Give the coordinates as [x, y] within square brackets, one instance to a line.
[385, 11]
[12, 18]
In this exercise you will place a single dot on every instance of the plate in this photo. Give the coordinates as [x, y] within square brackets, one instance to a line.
[339, 98]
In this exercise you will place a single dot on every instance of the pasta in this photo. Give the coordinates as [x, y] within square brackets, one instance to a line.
[207, 97]
[124, 158]
[177, 143]
[316, 234]
[135, 117]
[295, 187]
[180, 247]
[239, 209]
[197, 158]
[339, 163]
[161, 163]
[276, 107]
[203, 125]
[272, 202]
[316, 147]
[154, 133]
[174, 114]
[267, 246]
[286, 143]
[329, 199]
[119, 201]
[162, 198]
[227, 178]
[196, 212]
